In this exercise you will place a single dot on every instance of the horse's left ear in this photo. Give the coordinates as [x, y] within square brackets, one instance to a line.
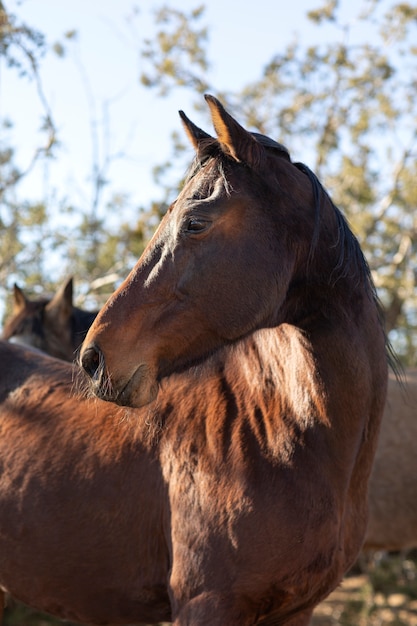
[233, 138]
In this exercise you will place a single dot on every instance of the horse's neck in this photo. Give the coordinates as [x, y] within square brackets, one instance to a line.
[278, 365]
[287, 369]
[262, 391]
[273, 370]
[299, 372]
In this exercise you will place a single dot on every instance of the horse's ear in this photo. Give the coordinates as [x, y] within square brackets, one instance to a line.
[195, 134]
[233, 138]
[61, 304]
[19, 299]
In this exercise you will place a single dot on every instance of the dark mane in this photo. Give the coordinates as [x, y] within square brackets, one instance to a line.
[351, 262]
[210, 148]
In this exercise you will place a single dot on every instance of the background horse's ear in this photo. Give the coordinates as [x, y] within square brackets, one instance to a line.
[19, 299]
[195, 134]
[233, 138]
[61, 304]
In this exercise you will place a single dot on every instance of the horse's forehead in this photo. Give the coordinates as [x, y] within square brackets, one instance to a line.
[30, 313]
[205, 181]
[34, 308]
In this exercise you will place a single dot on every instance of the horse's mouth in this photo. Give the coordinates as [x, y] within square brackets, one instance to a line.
[141, 389]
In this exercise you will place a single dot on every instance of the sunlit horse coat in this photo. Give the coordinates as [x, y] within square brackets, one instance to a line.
[251, 330]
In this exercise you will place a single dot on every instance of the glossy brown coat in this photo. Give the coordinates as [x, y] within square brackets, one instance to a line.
[84, 513]
[392, 521]
[251, 329]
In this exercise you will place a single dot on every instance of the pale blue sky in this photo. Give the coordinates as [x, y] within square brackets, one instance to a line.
[243, 37]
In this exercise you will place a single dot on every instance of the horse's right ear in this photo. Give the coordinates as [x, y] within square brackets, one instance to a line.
[195, 134]
[234, 140]
[19, 299]
[61, 304]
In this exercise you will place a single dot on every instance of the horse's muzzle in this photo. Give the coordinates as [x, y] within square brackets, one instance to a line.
[138, 389]
[92, 361]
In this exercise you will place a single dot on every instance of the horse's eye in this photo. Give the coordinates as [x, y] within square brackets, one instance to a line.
[195, 225]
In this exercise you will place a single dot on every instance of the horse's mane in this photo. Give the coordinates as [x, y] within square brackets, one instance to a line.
[351, 261]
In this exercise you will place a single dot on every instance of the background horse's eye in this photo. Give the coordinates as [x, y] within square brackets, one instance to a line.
[195, 225]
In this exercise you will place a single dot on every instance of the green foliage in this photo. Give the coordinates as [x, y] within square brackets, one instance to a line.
[175, 50]
[326, 13]
[20, 45]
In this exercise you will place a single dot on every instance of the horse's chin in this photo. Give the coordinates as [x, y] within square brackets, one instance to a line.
[141, 389]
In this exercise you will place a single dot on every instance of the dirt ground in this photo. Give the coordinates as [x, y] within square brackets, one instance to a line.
[385, 596]
[354, 604]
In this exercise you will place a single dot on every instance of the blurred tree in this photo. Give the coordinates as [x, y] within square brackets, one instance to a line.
[21, 48]
[349, 110]
[77, 236]
[176, 55]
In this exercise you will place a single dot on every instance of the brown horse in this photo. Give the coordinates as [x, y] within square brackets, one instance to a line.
[250, 326]
[53, 325]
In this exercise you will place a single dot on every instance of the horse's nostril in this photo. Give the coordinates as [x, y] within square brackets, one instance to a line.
[91, 360]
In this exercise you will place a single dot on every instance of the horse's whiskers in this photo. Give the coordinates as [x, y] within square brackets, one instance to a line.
[105, 383]
[81, 384]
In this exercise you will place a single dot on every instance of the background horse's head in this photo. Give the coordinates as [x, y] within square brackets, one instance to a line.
[53, 325]
[249, 234]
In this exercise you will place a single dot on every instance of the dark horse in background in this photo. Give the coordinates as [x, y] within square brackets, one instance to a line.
[250, 334]
[53, 325]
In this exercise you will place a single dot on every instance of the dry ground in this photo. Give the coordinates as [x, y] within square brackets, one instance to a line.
[382, 598]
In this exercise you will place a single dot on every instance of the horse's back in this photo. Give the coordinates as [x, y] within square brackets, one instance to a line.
[74, 483]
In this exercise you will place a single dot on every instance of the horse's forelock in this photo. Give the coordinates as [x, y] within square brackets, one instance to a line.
[210, 148]
[210, 152]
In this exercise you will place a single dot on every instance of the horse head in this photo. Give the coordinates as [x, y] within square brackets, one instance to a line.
[237, 251]
[53, 325]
